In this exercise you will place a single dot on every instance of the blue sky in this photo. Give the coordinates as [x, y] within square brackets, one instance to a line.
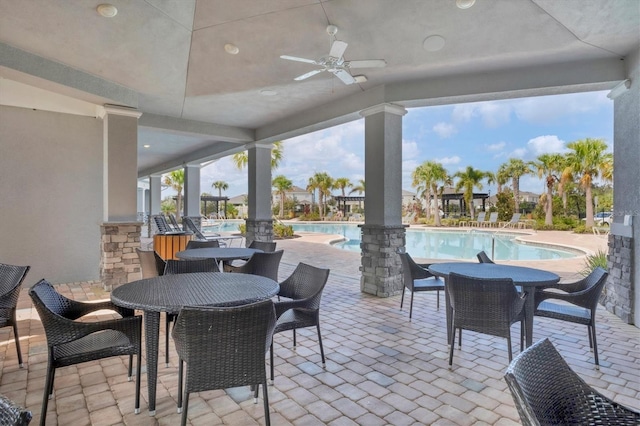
[483, 135]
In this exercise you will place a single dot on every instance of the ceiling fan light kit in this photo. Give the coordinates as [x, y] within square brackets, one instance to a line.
[335, 62]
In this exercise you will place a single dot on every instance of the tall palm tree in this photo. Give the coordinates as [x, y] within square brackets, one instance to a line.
[359, 188]
[175, 180]
[439, 175]
[342, 184]
[516, 168]
[220, 185]
[587, 161]
[500, 177]
[240, 159]
[423, 180]
[468, 179]
[549, 166]
[282, 185]
[322, 182]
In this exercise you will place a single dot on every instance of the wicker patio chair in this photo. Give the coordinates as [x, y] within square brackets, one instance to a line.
[12, 414]
[301, 309]
[547, 391]
[484, 258]
[148, 265]
[583, 297]
[417, 279]
[223, 348]
[265, 246]
[195, 244]
[183, 267]
[488, 306]
[71, 342]
[264, 264]
[11, 278]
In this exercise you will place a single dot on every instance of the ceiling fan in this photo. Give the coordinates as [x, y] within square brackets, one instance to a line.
[335, 63]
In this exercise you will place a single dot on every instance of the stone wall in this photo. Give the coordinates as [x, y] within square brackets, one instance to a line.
[119, 263]
[258, 230]
[380, 264]
[618, 293]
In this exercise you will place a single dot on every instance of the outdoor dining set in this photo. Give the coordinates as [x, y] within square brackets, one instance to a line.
[223, 305]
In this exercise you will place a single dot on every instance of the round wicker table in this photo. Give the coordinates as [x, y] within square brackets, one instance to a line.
[170, 293]
[527, 278]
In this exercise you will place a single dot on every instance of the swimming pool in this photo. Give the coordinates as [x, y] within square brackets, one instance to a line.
[437, 244]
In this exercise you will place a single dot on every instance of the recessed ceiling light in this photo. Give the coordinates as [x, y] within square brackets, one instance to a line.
[231, 48]
[107, 10]
[433, 43]
[147, 146]
[360, 78]
[267, 92]
[465, 4]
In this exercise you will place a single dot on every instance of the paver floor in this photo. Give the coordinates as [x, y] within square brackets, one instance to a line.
[382, 369]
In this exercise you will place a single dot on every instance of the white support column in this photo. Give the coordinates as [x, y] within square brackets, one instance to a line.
[192, 191]
[383, 233]
[383, 164]
[120, 144]
[155, 194]
[259, 221]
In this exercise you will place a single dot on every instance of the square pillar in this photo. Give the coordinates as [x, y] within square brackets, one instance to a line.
[383, 233]
[259, 221]
[192, 190]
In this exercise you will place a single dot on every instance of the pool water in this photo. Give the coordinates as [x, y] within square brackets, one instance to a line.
[434, 244]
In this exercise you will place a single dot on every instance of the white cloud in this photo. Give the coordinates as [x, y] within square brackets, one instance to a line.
[447, 161]
[495, 114]
[531, 183]
[546, 144]
[550, 109]
[518, 153]
[445, 130]
[496, 146]
[463, 112]
[410, 149]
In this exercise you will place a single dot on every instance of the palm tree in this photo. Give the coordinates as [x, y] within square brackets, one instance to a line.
[516, 168]
[322, 182]
[439, 175]
[175, 180]
[500, 177]
[220, 185]
[469, 179]
[240, 159]
[549, 166]
[587, 161]
[341, 184]
[282, 185]
[359, 188]
[423, 181]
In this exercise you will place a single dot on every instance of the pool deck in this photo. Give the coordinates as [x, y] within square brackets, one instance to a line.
[382, 368]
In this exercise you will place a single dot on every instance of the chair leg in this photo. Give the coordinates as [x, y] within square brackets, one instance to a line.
[590, 338]
[411, 306]
[509, 347]
[180, 375]
[265, 397]
[453, 343]
[184, 409]
[130, 369]
[138, 372]
[256, 389]
[522, 335]
[271, 360]
[167, 323]
[324, 364]
[402, 299]
[595, 346]
[17, 339]
[294, 339]
[48, 387]
[459, 339]
[437, 300]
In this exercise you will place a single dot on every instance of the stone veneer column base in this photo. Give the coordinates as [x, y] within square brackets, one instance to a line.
[119, 264]
[381, 266]
[618, 295]
[258, 230]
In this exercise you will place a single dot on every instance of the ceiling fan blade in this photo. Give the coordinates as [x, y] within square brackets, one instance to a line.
[294, 58]
[337, 49]
[307, 75]
[366, 63]
[344, 76]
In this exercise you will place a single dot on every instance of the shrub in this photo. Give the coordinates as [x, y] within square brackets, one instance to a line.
[593, 261]
[310, 216]
[282, 231]
[243, 229]
[581, 229]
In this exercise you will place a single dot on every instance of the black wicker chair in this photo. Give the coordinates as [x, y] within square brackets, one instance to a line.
[195, 244]
[72, 342]
[265, 246]
[488, 306]
[583, 296]
[547, 391]
[223, 348]
[303, 291]
[264, 264]
[12, 414]
[11, 278]
[184, 267]
[416, 279]
[484, 258]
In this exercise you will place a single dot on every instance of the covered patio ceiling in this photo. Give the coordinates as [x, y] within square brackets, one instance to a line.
[168, 60]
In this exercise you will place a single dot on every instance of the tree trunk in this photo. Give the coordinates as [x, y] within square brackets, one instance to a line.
[589, 199]
[281, 205]
[548, 219]
[428, 196]
[438, 222]
[516, 195]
